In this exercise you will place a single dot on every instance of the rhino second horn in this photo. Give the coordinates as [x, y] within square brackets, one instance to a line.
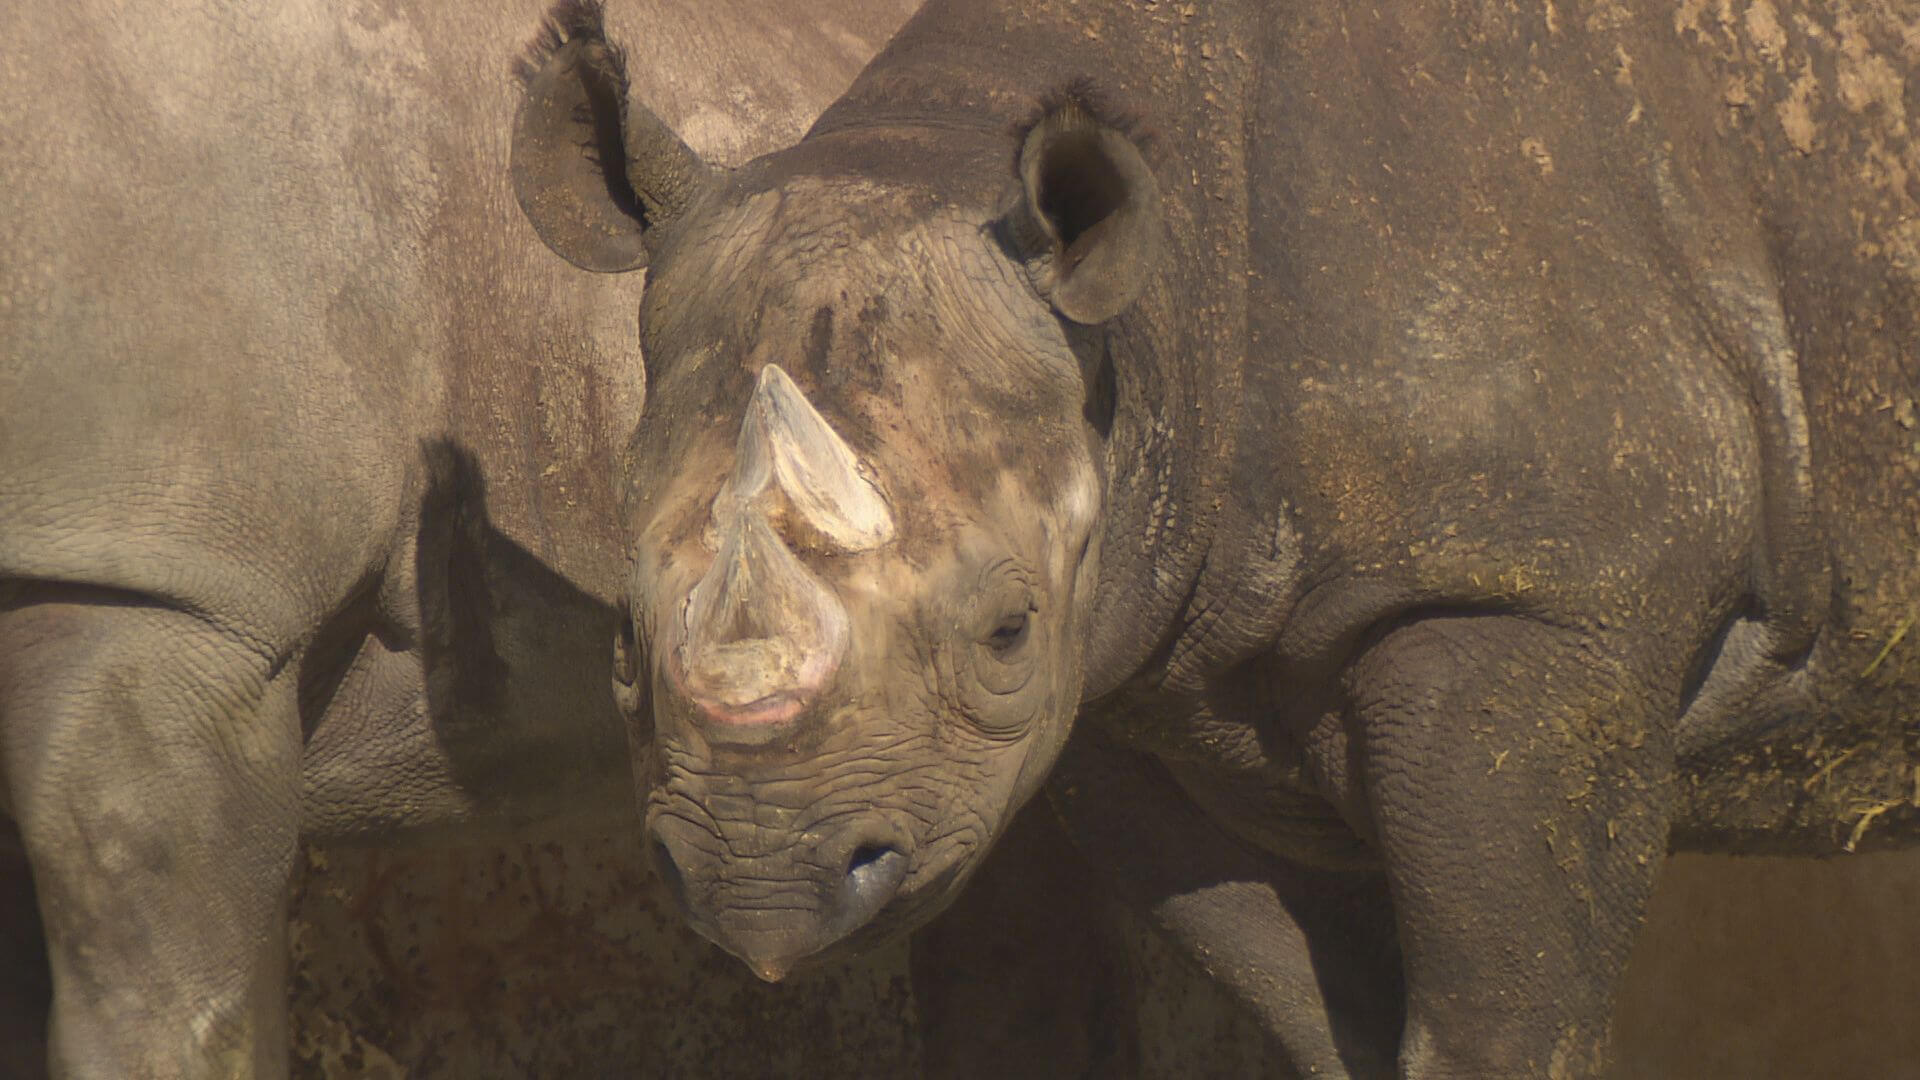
[789, 454]
[761, 631]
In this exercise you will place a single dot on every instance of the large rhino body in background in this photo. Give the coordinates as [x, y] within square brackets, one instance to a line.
[305, 519]
[1443, 456]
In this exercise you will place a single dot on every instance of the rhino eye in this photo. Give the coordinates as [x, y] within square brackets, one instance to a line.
[1010, 634]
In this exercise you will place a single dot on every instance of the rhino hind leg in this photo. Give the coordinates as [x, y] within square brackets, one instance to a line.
[151, 762]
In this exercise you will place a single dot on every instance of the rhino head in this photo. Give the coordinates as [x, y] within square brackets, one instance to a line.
[865, 502]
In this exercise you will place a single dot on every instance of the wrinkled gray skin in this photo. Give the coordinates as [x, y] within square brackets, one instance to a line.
[304, 509]
[1463, 453]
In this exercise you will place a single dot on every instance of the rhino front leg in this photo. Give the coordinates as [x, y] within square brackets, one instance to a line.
[1522, 801]
[1310, 952]
[152, 764]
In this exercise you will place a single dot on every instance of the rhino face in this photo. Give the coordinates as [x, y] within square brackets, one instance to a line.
[865, 498]
[860, 579]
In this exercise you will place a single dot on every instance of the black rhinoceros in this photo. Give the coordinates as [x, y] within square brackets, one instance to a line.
[305, 519]
[1439, 456]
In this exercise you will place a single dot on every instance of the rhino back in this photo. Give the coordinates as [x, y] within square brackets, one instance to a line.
[218, 337]
[1825, 101]
[1606, 316]
[1813, 102]
[1609, 316]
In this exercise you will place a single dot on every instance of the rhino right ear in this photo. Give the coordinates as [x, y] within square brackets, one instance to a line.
[1090, 194]
[592, 173]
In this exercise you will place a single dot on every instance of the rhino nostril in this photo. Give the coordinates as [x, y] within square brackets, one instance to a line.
[874, 874]
[867, 854]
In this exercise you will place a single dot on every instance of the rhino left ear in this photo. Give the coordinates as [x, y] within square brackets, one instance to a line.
[1092, 195]
[594, 172]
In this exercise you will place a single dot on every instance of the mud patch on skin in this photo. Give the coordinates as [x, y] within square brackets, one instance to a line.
[1763, 26]
[1867, 79]
[1796, 112]
[1829, 78]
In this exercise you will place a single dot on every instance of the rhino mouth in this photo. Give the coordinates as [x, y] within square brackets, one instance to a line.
[772, 710]
[758, 714]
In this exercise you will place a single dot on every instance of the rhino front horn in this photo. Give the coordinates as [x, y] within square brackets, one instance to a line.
[791, 466]
[764, 634]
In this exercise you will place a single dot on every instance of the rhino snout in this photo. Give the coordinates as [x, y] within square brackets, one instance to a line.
[774, 911]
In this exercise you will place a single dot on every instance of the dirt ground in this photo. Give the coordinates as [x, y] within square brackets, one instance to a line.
[560, 960]
[565, 963]
[1776, 968]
